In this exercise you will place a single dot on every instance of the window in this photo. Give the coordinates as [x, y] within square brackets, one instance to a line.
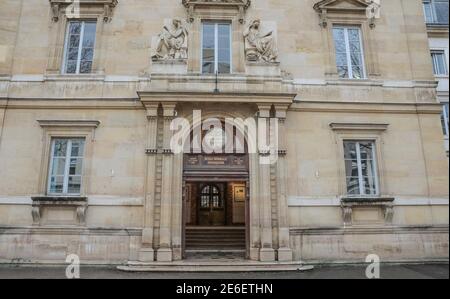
[349, 52]
[216, 48]
[66, 165]
[210, 198]
[79, 47]
[436, 11]
[360, 168]
[444, 119]
[439, 63]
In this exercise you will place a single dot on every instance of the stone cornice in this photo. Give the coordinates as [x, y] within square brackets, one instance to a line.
[216, 3]
[359, 5]
[92, 124]
[367, 107]
[364, 230]
[240, 6]
[77, 231]
[351, 7]
[224, 97]
[438, 30]
[358, 127]
[59, 200]
[105, 5]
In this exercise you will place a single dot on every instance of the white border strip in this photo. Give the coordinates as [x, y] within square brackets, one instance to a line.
[98, 200]
[293, 201]
[15, 200]
[300, 201]
[114, 201]
[296, 201]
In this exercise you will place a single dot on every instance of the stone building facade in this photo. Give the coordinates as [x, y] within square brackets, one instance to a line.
[90, 90]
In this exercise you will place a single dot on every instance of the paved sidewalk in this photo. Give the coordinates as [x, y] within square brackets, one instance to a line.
[429, 271]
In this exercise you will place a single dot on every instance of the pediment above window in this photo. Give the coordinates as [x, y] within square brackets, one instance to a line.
[239, 6]
[342, 4]
[368, 9]
[85, 7]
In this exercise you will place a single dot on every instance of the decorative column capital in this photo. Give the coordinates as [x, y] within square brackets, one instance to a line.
[264, 110]
[152, 111]
[280, 110]
[169, 109]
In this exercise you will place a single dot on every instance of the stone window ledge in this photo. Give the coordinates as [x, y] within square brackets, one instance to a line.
[95, 76]
[80, 203]
[386, 203]
[354, 82]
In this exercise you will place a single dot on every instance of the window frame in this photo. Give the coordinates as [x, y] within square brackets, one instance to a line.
[80, 46]
[434, 20]
[373, 132]
[216, 24]
[68, 157]
[434, 53]
[362, 190]
[57, 128]
[348, 53]
[445, 117]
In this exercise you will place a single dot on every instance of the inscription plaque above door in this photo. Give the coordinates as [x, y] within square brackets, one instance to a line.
[223, 162]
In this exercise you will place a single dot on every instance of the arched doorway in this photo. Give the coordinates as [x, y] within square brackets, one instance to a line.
[216, 196]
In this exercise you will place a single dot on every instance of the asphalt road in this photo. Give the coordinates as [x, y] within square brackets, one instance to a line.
[428, 271]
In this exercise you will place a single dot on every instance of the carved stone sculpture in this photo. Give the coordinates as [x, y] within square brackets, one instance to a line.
[172, 42]
[259, 47]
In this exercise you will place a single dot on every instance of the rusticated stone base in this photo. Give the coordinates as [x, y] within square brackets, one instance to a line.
[267, 255]
[164, 255]
[53, 245]
[331, 245]
[285, 255]
[391, 244]
[146, 255]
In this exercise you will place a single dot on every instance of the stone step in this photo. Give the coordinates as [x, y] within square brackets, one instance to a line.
[215, 234]
[218, 241]
[216, 238]
[214, 266]
[215, 246]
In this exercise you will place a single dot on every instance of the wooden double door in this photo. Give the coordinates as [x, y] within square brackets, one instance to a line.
[211, 204]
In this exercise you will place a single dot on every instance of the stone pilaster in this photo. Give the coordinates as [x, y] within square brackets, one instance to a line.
[164, 253]
[177, 206]
[284, 250]
[255, 233]
[267, 253]
[146, 253]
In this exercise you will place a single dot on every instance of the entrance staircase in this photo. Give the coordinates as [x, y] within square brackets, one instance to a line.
[215, 242]
[214, 249]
